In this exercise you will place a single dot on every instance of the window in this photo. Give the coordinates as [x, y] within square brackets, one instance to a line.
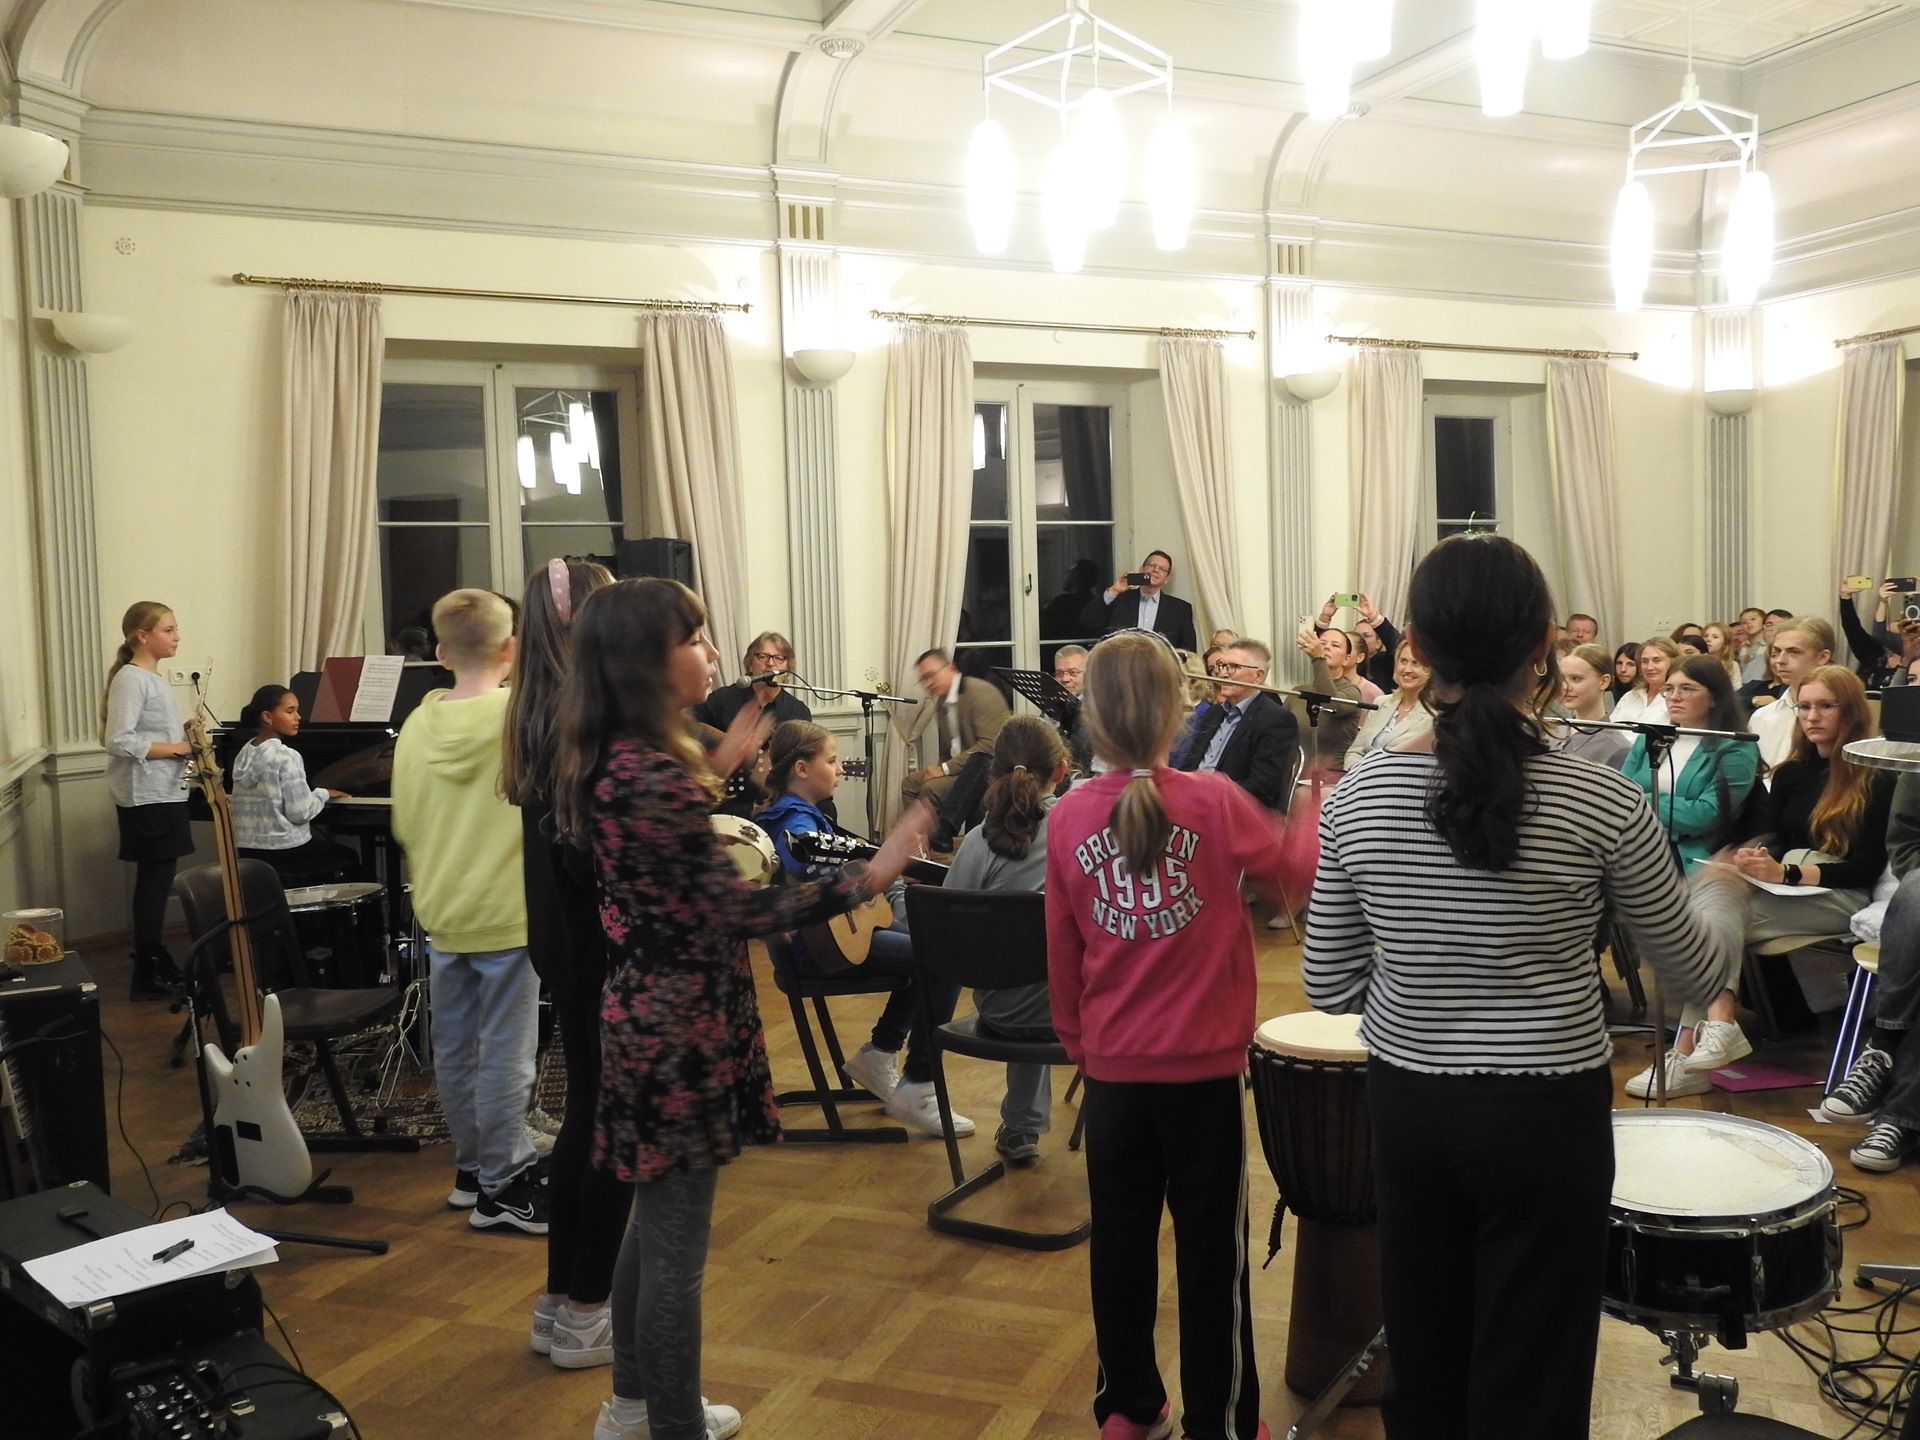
[1048, 470]
[485, 473]
[1467, 463]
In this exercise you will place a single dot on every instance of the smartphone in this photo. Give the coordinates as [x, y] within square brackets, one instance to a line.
[1347, 600]
[1904, 584]
[1138, 578]
[1858, 582]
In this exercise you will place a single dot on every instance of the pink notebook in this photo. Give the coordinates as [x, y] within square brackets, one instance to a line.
[1757, 1075]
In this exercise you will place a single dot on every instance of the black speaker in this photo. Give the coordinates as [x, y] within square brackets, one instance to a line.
[50, 1015]
[656, 556]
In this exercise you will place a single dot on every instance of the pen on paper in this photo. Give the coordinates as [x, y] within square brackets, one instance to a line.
[173, 1252]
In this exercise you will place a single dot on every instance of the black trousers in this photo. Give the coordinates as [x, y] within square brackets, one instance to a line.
[1184, 1148]
[1493, 1193]
[587, 1208]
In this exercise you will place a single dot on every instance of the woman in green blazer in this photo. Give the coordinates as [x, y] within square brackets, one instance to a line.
[1704, 784]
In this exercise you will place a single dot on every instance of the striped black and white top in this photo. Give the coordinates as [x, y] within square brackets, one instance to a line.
[1460, 971]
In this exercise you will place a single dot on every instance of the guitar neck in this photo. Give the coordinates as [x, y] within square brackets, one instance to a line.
[239, 941]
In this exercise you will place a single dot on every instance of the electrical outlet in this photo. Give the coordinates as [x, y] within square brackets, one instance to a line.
[179, 675]
[1661, 627]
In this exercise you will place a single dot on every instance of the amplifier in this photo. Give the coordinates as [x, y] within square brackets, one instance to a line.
[656, 556]
[60, 1077]
[65, 1356]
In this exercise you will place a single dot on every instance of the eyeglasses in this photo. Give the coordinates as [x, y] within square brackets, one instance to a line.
[1809, 707]
[1227, 667]
[775, 656]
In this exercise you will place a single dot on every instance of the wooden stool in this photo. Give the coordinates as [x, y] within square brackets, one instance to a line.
[1853, 1019]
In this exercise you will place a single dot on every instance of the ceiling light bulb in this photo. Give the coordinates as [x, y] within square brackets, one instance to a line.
[1102, 158]
[1063, 211]
[1504, 34]
[524, 460]
[566, 466]
[1632, 246]
[1565, 28]
[1326, 58]
[1747, 261]
[1370, 32]
[979, 442]
[990, 187]
[1173, 183]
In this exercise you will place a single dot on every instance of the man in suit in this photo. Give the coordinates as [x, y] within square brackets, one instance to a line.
[966, 715]
[1248, 736]
[1070, 670]
[1145, 607]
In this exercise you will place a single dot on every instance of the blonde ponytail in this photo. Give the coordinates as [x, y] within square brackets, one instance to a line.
[1134, 709]
[141, 615]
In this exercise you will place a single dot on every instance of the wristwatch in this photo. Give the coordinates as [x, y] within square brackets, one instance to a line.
[1789, 874]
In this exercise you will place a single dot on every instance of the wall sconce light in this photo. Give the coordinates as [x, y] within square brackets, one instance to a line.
[29, 161]
[89, 334]
[1311, 385]
[822, 366]
[1730, 402]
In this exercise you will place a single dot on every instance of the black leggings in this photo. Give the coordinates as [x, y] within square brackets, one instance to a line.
[587, 1207]
[152, 884]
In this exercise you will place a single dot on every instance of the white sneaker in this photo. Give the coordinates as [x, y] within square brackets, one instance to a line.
[872, 1070]
[544, 1310]
[723, 1421]
[1280, 922]
[540, 1120]
[1680, 1080]
[1717, 1043]
[580, 1342]
[541, 1141]
[916, 1103]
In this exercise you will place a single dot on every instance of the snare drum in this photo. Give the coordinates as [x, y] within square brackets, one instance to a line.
[343, 934]
[1720, 1225]
[1309, 1075]
[749, 847]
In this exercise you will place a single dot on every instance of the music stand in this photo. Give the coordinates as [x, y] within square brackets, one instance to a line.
[1048, 695]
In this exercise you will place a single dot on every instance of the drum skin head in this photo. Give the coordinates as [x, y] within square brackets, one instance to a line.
[311, 897]
[1695, 1163]
[1313, 1035]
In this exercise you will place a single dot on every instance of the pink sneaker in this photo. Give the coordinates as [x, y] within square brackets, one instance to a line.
[1119, 1427]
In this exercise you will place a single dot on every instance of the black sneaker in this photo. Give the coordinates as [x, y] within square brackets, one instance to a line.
[521, 1203]
[1020, 1147]
[466, 1190]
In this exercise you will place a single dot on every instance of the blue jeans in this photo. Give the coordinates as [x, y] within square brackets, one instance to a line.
[1022, 1013]
[485, 1007]
[1896, 1001]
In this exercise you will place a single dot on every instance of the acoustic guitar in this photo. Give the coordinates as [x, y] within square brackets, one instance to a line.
[846, 940]
[255, 1143]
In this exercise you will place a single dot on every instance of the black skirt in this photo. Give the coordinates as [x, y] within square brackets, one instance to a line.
[154, 832]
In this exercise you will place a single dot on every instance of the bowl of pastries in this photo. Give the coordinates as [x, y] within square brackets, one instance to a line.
[33, 937]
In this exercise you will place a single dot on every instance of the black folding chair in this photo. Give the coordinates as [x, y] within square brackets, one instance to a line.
[982, 940]
[800, 987]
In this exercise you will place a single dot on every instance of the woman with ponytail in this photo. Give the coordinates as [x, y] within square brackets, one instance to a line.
[1008, 851]
[146, 779]
[1151, 978]
[1461, 883]
[586, 1207]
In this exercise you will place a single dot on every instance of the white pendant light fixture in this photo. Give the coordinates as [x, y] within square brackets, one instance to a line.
[1652, 149]
[1081, 68]
[1503, 37]
[1371, 28]
[1566, 28]
[1173, 183]
[990, 187]
[1326, 57]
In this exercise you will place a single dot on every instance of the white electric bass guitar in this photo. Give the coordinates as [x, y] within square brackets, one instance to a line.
[255, 1143]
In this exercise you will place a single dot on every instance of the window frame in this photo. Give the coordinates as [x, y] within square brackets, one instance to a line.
[1498, 409]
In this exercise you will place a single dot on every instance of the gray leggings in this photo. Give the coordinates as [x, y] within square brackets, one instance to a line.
[656, 1302]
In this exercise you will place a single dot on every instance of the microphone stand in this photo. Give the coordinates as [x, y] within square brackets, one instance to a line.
[868, 699]
[1660, 740]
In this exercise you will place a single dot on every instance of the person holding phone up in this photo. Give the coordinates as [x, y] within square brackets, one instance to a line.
[1138, 600]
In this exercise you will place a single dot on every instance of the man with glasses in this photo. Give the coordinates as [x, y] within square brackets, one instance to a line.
[1801, 644]
[1248, 736]
[1146, 606]
[1070, 671]
[771, 655]
[965, 715]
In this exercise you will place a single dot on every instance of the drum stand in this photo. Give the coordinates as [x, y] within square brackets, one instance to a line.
[1329, 1399]
[1717, 1393]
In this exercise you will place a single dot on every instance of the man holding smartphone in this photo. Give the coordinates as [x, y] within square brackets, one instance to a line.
[1137, 601]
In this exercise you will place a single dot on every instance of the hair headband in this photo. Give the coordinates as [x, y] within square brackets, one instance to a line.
[560, 585]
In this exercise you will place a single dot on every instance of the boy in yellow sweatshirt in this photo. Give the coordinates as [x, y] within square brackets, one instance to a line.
[463, 857]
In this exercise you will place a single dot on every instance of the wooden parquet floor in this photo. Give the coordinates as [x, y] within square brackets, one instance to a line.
[832, 1312]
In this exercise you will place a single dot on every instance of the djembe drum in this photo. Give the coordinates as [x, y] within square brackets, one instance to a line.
[1310, 1100]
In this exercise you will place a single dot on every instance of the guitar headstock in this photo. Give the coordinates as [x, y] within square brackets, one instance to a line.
[819, 847]
[854, 769]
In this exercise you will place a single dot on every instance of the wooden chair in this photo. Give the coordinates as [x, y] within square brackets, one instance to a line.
[311, 1016]
[982, 940]
[800, 987]
[1853, 1019]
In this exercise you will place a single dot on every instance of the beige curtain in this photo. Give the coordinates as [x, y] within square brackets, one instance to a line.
[330, 446]
[1193, 381]
[1387, 465]
[930, 484]
[1872, 388]
[1580, 440]
[693, 458]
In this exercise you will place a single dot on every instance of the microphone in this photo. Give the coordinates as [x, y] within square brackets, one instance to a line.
[772, 677]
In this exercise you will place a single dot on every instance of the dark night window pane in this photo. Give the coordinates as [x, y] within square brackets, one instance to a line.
[1463, 483]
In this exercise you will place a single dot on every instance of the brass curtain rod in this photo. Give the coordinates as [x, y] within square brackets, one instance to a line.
[1485, 349]
[899, 317]
[377, 287]
[1878, 335]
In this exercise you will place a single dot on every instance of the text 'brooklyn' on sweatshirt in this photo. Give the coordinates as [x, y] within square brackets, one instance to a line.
[461, 836]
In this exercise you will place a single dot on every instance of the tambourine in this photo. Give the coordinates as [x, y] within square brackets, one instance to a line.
[749, 847]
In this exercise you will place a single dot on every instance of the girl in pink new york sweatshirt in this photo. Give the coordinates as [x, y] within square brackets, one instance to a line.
[1151, 975]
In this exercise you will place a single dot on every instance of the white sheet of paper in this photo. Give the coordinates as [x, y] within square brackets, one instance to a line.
[123, 1264]
[1773, 889]
[379, 685]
